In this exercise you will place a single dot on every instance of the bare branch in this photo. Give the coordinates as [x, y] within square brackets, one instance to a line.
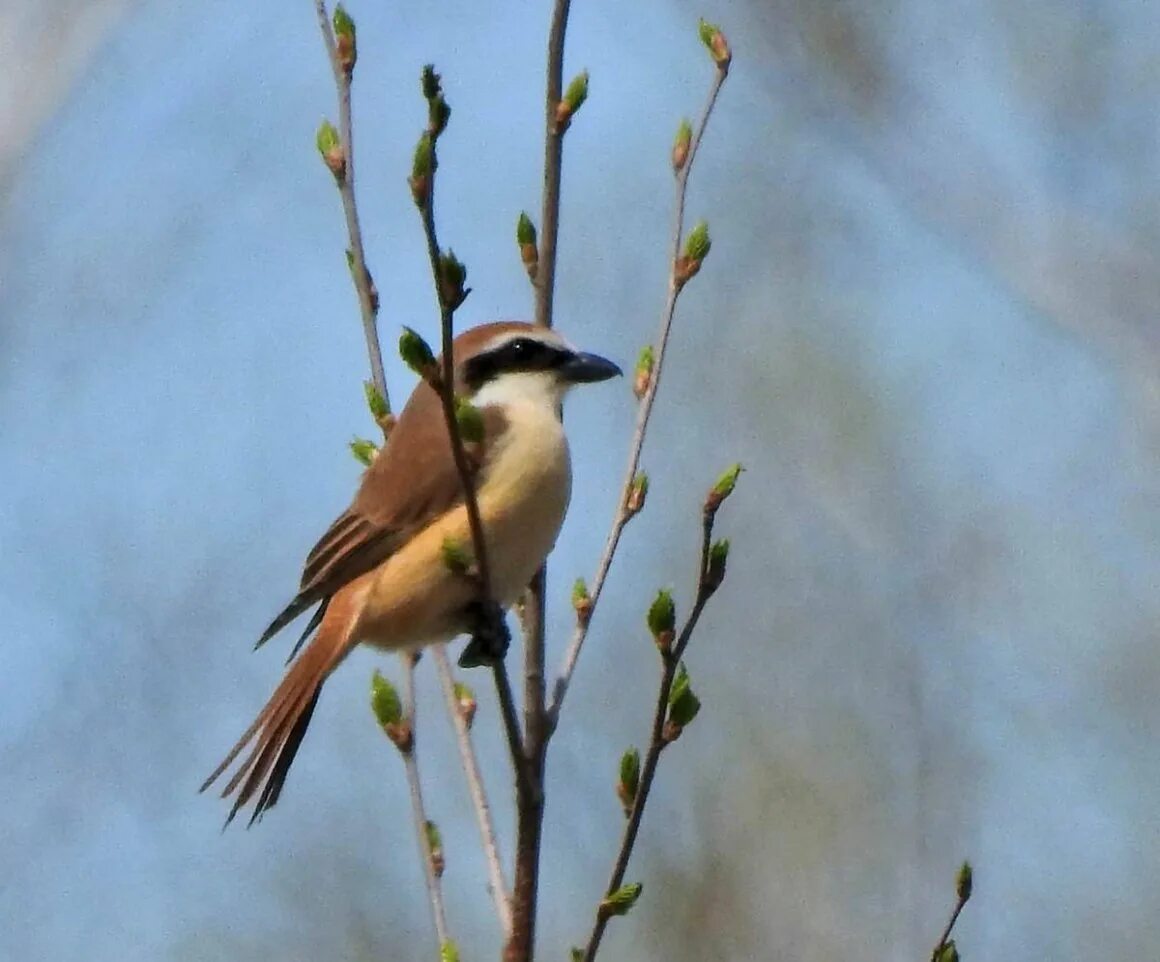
[963, 885]
[418, 812]
[644, 412]
[496, 884]
[658, 739]
[364, 285]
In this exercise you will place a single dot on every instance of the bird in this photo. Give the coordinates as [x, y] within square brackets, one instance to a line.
[379, 575]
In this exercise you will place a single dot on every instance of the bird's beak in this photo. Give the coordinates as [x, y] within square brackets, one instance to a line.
[584, 368]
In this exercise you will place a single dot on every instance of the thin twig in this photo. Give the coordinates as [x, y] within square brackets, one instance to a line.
[496, 884]
[644, 412]
[364, 285]
[418, 812]
[657, 740]
[963, 886]
[446, 391]
[530, 799]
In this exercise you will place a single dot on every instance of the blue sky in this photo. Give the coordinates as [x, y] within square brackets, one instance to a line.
[924, 327]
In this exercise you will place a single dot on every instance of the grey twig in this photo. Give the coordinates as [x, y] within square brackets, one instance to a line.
[418, 811]
[496, 883]
[657, 740]
[364, 285]
[644, 412]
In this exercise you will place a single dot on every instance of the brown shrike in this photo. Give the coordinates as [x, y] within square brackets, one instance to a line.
[378, 575]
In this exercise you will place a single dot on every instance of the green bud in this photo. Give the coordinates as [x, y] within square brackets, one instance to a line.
[376, 403]
[683, 704]
[435, 846]
[681, 145]
[363, 450]
[577, 954]
[456, 556]
[964, 882]
[346, 40]
[449, 951]
[465, 700]
[429, 81]
[715, 569]
[637, 493]
[416, 353]
[947, 952]
[330, 148]
[385, 701]
[469, 420]
[577, 91]
[662, 614]
[621, 901]
[697, 244]
[452, 275]
[525, 230]
[573, 99]
[581, 601]
[714, 40]
[423, 169]
[629, 783]
[722, 488]
[642, 376]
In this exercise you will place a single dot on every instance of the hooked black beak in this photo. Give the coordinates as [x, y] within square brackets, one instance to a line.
[584, 368]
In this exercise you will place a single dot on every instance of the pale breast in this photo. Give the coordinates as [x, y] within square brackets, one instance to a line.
[525, 497]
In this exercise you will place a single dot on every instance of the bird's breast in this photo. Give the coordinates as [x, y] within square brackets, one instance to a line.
[524, 495]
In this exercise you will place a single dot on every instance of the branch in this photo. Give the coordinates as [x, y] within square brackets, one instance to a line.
[432, 871]
[530, 800]
[449, 275]
[461, 720]
[627, 507]
[944, 950]
[368, 297]
[663, 730]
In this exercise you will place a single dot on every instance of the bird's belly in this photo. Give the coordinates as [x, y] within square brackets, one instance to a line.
[417, 600]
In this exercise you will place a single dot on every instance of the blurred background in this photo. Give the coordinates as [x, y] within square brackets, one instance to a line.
[927, 328]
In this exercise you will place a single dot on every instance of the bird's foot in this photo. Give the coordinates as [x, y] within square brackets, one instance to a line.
[490, 636]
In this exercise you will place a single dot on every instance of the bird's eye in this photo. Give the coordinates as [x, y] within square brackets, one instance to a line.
[521, 346]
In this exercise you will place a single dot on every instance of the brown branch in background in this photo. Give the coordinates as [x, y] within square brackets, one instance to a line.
[342, 63]
[461, 717]
[664, 729]
[945, 950]
[684, 154]
[432, 866]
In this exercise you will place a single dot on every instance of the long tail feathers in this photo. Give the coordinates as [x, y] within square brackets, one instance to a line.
[277, 732]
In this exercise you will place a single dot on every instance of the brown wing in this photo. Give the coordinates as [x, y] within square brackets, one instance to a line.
[411, 482]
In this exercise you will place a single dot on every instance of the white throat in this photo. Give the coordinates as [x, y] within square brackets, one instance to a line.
[541, 389]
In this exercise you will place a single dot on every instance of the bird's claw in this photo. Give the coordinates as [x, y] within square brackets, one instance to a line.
[490, 636]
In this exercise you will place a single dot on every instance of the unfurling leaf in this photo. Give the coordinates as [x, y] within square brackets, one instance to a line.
[330, 147]
[629, 782]
[385, 701]
[376, 403]
[526, 240]
[948, 952]
[469, 419]
[964, 882]
[714, 40]
[722, 488]
[572, 101]
[642, 376]
[452, 275]
[416, 354]
[681, 144]
[346, 39]
[465, 700]
[697, 246]
[581, 601]
[637, 494]
[683, 704]
[622, 900]
[364, 451]
[449, 951]
[662, 617]
[715, 568]
[423, 167]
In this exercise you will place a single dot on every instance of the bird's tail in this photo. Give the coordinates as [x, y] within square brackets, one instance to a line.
[278, 730]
